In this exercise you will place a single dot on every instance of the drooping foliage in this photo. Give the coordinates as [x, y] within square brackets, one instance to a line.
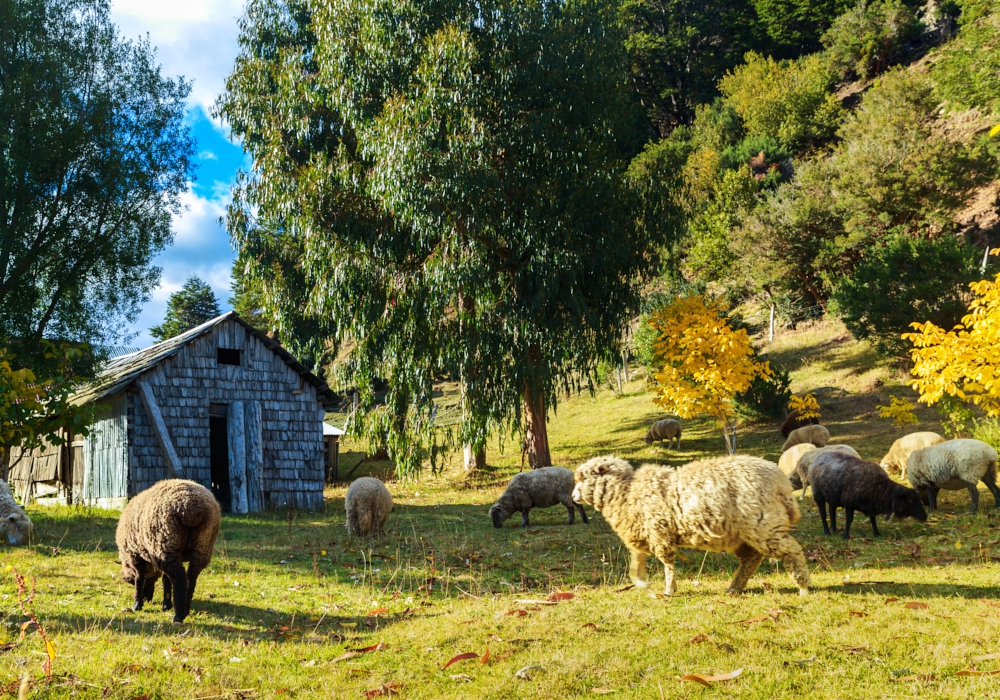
[440, 186]
[94, 155]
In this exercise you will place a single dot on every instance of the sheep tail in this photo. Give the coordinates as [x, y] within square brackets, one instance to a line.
[365, 518]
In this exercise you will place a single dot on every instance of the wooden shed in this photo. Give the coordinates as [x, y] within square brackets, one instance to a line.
[221, 404]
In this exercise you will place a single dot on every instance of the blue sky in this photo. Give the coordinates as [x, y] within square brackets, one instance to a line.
[198, 40]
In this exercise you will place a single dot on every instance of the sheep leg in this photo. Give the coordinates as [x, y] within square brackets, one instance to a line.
[931, 499]
[848, 519]
[178, 579]
[875, 532]
[195, 567]
[790, 553]
[637, 568]
[974, 495]
[821, 504]
[750, 559]
[167, 594]
[583, 513]
[572, 512]
[524, 517]
[668, 556]
[833, 517]
[149, 589]
[140, 587]
[991, 484]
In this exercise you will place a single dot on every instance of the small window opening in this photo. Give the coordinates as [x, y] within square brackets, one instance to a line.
[226, 356]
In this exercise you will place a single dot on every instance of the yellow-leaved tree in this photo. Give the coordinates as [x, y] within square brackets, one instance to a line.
[899, 411]
[807, 406]
[705, 362]
[963, 362]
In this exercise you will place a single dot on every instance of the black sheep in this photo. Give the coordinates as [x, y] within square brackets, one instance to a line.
[843, 480]
[793, 422]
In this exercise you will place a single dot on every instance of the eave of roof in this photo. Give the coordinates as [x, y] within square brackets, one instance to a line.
[120, 372]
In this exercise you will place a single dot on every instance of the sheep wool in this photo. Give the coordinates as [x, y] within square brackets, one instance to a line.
[538, 488]
[789, 461]
[14, 522]
[171, 522]
[954, 465]
[736, 504]
[368, 504]
[793, 421]
[899, 454]
[818, 435]
[667, 429]
[806, 460]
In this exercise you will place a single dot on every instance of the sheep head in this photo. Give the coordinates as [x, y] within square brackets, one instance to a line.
[906, 503]
[591, 476]
[498, 514]
[17, 527]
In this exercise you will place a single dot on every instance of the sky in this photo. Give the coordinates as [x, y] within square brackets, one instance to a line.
[196, 39]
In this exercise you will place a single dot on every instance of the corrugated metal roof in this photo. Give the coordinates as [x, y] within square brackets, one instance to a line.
[331, 430]
[119, 372]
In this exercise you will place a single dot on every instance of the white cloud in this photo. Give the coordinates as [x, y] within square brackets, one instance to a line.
[207, 155]
[198, 227]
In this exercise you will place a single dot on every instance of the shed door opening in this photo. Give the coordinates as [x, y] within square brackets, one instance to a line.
[218, 438]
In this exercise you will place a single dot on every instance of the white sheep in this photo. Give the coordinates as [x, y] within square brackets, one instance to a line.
[368, 504]
[789, 460]
[954, 465]
[14, 522]
[735, 504]
[806, 460]
[898, 455]
[816, 434]
[667, 429]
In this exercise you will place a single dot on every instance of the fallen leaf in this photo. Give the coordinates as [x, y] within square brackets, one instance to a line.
[519, 613]
[804, 662]
[602, 690]
[536, 602]
[624, 588]
[699, 638]
[374, 647]
[378, 611]
[461, 657]
[858, 613]
[708, 680]
[348, 625]
[485, 658]
[914, 605]
[971, 672]
[561, 596]
[891, 600]
[227, 628]
[591, 625]
[386, 689]
[524, 674]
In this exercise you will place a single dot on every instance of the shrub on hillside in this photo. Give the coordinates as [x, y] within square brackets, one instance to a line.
[902, 279]
[865, 39]
[766, 398]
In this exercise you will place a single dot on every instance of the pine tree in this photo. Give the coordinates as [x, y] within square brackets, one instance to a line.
[192, 306]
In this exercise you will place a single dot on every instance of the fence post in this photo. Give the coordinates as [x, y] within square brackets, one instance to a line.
[986, 257]
[771, 334]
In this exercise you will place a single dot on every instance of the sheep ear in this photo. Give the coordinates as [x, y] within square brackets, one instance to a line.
[603, 469]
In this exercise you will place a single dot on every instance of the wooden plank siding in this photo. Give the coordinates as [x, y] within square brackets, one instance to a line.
[105, 455]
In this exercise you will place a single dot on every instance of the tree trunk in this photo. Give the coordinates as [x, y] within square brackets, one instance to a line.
[536, 434]
[473, 459]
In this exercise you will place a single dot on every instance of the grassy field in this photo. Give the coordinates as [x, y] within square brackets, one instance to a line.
[291, 608]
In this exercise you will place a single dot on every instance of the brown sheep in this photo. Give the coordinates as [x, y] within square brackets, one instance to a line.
[172, 522]
[793, 422]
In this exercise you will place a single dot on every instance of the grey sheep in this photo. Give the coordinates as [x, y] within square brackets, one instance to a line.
[368, 504]
[816, 434]
[538, 488]
[843, 480]
[14, 522]
[172, 522]
[899, 454]
[667, 429]
[805, 461]
[736, 504]
[954, 465]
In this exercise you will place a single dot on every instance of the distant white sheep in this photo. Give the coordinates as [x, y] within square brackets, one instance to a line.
[667, 429]
[789, 460]
[736, 504]
[368, 504]
[14, 522]
[899, 454]
[816, 434]
[954, 465]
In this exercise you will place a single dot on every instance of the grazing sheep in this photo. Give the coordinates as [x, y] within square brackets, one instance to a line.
[666, 429]
[169, 523]
[789, 461]
[806, 460]
[816, 434]
[735, 504]
[793, 422]
[368, 504]
[900, 452]
[840, 479]
[538, 488]
[954, 465]
[14, 522]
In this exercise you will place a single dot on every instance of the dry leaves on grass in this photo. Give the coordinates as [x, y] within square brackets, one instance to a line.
[707, 681]
[561, 595]
[857, 613]
[518, 612]
[914, 605]
[350, 654]
[591, 625]
[465, 657]
[772, 614]
[974, 672]
[384, 690]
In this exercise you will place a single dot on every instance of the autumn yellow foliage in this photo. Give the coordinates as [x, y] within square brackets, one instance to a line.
[898, 410]
[963, 362]
[807, 406]
[705, 362]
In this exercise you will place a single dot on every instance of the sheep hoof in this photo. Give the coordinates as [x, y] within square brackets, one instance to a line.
[177, 622]
[803, 591]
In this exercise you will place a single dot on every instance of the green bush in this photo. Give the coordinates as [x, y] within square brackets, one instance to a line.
[766, 398]
[865, 39]
[987, 430]
[902, 280]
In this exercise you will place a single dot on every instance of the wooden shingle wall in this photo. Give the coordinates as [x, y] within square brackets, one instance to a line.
[184, 385]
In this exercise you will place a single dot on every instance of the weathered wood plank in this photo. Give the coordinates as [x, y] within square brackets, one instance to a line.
[237, 457]
[255, 457]
[174, 467]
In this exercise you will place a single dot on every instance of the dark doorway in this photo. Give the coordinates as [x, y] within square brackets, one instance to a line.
[218, 438]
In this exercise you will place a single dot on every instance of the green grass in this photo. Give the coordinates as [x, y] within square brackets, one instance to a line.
[288, 593]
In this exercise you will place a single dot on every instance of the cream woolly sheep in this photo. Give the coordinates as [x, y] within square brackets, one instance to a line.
[169, 523]
[816, 434]
[789, 460]
[735, 504]
[806, 460]
[368, 504]
[899, 453]
[538, 488]
[954, 465]
[14, 522]
[667, 429]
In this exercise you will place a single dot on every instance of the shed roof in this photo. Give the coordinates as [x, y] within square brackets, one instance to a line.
[120, 372]
[331, 430]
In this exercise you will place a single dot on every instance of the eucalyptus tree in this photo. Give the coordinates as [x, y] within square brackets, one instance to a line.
[439, 186]
[94, 157]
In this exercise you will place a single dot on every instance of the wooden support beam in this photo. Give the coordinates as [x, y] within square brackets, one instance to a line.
[255, 457]
[237, 457]
[174, 468]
